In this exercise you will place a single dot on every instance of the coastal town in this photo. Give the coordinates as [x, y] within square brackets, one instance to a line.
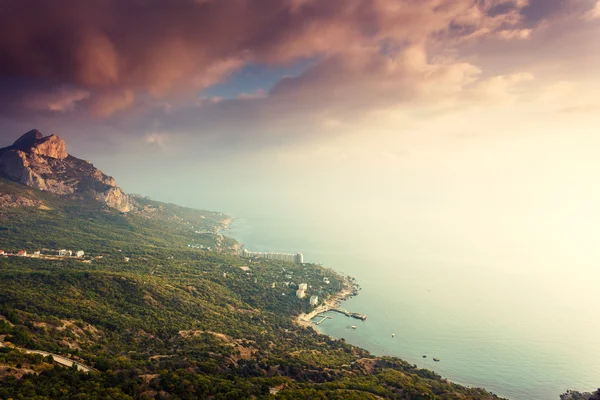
[62, 253]
[303, 290]
[331, 304]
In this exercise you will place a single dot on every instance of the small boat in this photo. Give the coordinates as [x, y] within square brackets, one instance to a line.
[436, 359]
[353, 326]
[424, 356]
[393, 335]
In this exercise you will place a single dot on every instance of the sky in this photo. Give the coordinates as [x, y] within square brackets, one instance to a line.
[282, 100]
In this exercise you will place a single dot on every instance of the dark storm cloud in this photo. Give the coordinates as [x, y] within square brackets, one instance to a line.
[106, 42]
[543, 10]
[538, 10]
[115, 48]
[502, 8]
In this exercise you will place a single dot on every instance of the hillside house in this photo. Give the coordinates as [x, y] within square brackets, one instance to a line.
[245, 269]
[303, 286]
[300, 293]
[326, 281]
[314, 300]
[36, 253]
[62, 252]
[1, 252]
[80, 253]
[22, 253]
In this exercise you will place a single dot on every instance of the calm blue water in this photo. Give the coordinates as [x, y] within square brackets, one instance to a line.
[515, 333]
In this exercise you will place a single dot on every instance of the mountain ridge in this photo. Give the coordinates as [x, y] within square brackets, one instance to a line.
[33, 219]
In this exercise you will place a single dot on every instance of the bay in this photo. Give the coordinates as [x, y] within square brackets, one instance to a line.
[506, 329]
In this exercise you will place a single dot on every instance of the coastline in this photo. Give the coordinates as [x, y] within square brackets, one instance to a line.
[349, 289]
[244, 233]
[224, 224]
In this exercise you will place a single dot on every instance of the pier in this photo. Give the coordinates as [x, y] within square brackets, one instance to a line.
[349, 314]
[323, 309]
[323, 319]
[332, 304]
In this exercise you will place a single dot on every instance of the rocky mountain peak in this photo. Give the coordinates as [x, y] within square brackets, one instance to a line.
[28, 139]
[49, 146]
[42, 162]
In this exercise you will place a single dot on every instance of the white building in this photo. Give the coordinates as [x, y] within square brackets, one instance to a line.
[303, 286]
[314, 300]
[297, 258]
[300, 293]
[80, 253]
[62, 252]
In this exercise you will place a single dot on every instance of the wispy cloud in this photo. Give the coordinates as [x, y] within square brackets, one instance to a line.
[258, 94]
[158, 139]
[105, 104]
[594, 13]
[59, 100]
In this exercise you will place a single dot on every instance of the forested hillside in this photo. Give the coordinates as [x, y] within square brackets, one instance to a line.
[35, 220]
[157, 319]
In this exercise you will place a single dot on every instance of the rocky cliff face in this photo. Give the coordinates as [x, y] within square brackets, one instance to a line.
[43, 163]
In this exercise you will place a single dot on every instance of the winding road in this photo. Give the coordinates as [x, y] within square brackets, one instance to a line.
[67, 362]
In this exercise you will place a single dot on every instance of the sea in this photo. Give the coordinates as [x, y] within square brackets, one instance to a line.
[519, 329]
